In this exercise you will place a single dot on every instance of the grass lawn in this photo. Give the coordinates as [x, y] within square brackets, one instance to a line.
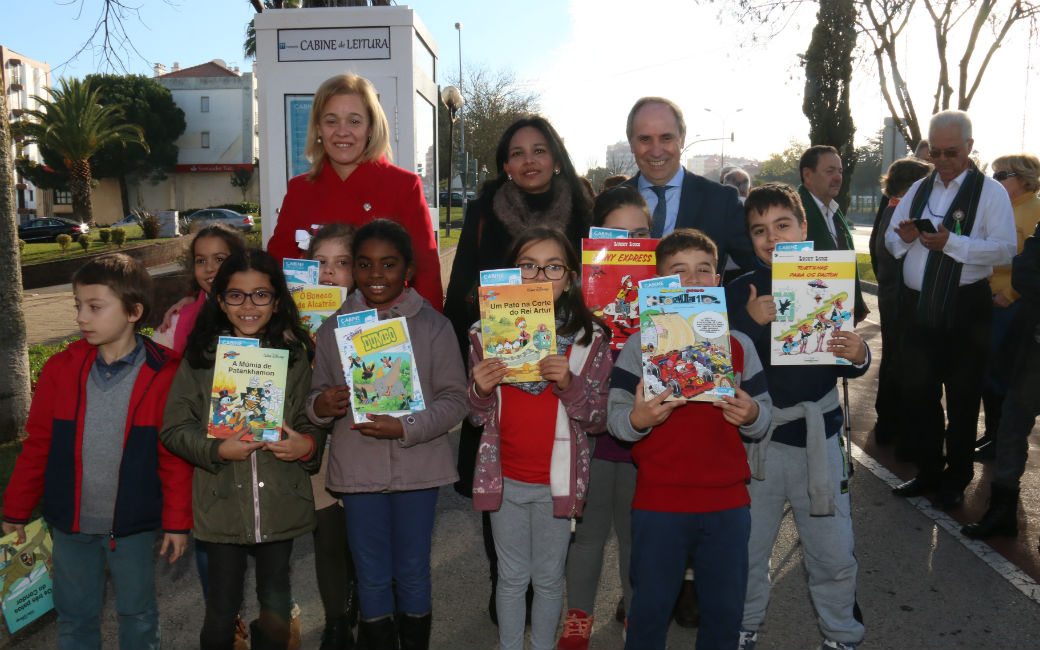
[866, 271]
[37, 252]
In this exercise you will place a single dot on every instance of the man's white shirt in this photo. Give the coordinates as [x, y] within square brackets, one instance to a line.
[992, 241]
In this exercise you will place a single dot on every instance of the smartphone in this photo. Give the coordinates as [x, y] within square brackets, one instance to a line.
[924, 225]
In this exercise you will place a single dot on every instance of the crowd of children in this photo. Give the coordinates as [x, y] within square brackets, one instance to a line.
[125, 453]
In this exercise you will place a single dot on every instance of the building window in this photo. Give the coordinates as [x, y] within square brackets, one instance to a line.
[62, 197]
[205, 139]
[205, 104]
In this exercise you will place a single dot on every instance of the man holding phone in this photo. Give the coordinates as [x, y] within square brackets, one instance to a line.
[954, 226]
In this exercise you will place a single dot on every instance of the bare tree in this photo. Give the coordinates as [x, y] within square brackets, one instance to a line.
[14, 352]
[620, 163]
[982, 25]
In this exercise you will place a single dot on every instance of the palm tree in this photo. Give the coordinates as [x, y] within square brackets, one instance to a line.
[250, 44]
[14, 357]
[75, 126]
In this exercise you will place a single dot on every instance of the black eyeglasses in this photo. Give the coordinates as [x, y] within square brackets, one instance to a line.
[260, 297]
[1003, 176]
[552, 271]
[944, 153]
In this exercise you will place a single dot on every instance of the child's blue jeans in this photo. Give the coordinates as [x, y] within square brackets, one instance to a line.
[390, 536]
[79, 589]
[661, 541]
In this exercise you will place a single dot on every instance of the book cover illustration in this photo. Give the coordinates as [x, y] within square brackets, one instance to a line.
[684, 338]
[316, 302]
[812, 291]
[660, 282]
[26, 576]
[298, 272]
[518, 325]
[248, 392]
[347, 326]
[379, 367]
[611, 270]
[492, 277]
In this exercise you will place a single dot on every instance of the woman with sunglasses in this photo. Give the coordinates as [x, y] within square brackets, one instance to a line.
[1017, 362]
[536, 186]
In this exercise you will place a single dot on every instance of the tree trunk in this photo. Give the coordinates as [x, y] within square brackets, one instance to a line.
[79, 185]
[14, 352]
[124, 195]
[828, 75]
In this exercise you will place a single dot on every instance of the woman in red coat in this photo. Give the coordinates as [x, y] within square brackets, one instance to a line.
[351, 179]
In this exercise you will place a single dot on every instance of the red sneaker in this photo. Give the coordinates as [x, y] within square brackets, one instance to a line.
[576, 631]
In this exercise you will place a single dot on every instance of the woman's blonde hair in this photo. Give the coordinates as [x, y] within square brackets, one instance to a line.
[1026, 165]
[348, 84]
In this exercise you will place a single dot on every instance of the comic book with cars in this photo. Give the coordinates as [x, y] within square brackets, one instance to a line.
[248, 393]
[518, 325]
[814, 293]
[684, 338]
[611, 270]
[379, 366]
[26, 575]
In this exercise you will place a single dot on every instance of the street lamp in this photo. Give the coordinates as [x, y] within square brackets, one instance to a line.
[452, 99]
[462, 129]
[722, 162]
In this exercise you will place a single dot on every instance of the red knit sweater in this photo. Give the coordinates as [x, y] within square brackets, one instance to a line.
[694, 461]
[374, 190]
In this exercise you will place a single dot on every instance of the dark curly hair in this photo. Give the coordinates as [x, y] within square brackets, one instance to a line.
[283, 330]
[234, 240]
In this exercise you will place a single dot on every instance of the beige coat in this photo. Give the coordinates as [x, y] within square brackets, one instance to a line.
[422, 458]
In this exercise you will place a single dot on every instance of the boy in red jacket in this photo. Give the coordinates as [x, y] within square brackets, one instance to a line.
[93, 451]
[691, 497]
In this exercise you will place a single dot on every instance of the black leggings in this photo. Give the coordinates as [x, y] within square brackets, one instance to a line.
[227, 570]
[332, 560]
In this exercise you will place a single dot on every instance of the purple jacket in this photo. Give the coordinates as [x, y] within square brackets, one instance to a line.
[583, 408]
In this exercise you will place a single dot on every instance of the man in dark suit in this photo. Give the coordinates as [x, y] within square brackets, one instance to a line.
[678, 198]
[821, 170]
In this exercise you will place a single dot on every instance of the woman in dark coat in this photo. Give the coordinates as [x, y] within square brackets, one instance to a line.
[536, 186]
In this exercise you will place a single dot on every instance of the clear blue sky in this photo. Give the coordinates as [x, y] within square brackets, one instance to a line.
[587, 60]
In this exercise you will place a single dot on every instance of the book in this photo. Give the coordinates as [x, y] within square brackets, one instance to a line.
[493, 277]
[684, 339]
[784, 246]
[518, 325]
[300, 272]
[26, 576]
[611, 270]
[379, 367]
[660, 282]
[813, 291]
[347, 326]
[248, 393]
[599, 232]
[316, 302]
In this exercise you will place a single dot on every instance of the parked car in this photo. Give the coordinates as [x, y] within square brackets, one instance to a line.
[456, 198]
[243, 222]
[131, 219]
[48, 228]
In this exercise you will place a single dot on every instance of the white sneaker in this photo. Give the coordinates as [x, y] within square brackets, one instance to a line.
[747, 641]
[836, 645]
